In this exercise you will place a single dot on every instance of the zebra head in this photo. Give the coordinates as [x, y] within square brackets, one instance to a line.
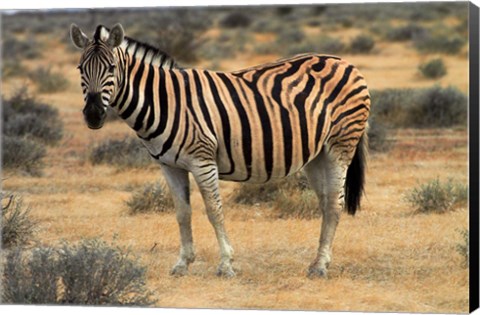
[98, 67]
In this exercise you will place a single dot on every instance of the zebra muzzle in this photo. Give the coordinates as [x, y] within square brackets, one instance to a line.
[94, 112]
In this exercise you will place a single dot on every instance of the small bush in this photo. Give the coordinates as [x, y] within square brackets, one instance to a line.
[22, 154]
[439, 107]
[30, 277]
[151, 198]
[433, 69]
[236, 20]
[298, 204]
[330, 45]
[438, 43]
[33, 126]
[17, 225]
[290, 36]
[24, 116]
[88, 273]
[14, 48]
[48, 81]
[362, 44]
[463, 248]
[13, 67]
[436, 197]
[251, 194]
[378, 136]
[404, 33]
[128, 152]
[425, 108]
[390, 106]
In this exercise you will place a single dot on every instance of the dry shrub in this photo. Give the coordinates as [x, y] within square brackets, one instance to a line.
[430, 42]
[235, 19]
[153, 197]
[290, 197]
[49, 81]
[128, 152]
[250, 194]
[404, 33]
[24, 155]
[362, 44]
[89, 273]
[24, 115]
[298, 204]
[18, 227]
[439, 107]
[378, 136]
[436, 107]
[437, 197]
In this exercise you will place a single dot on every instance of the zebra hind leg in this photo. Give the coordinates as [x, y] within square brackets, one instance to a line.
[207, 180]
[327, 178]
[177, 180]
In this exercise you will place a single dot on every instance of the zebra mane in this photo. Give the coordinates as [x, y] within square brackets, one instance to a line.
[140, 50]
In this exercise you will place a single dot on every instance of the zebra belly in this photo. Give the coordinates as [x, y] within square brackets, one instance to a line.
[256, 172]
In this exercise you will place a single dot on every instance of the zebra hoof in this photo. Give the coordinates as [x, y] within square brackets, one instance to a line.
[314, 273]
[179, 271]
[225, 271]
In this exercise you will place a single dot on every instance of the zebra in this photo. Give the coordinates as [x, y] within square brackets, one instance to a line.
[308, 112]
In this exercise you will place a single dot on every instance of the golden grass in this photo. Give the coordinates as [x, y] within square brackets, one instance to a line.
[386, 258]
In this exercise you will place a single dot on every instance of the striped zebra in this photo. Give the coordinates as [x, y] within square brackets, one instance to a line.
[254, 125]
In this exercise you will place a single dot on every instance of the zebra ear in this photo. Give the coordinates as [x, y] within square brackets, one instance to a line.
[116, 36]
[79, 39]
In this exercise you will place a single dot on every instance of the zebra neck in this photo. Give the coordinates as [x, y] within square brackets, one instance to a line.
[134, 59]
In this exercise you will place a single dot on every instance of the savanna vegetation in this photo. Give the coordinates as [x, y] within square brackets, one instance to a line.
[87, 218]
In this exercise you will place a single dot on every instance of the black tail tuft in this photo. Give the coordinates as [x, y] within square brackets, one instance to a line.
[355, 181]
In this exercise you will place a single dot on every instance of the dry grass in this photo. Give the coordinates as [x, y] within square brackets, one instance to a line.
[385, 258]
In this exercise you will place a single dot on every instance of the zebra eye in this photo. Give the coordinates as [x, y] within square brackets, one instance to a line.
[111, 68]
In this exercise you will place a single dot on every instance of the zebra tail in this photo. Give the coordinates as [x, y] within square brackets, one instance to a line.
[355, 181]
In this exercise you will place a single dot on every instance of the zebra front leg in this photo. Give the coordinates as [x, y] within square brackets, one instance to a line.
[207, 180]
[177, 180]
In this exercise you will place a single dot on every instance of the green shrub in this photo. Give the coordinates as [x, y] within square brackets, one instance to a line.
[362, 44]
[153, 197]
[433, 69]
[17, 225]
[128, 152]
[436, 197]
[22, 154]
[88, 273]
[48, 81]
